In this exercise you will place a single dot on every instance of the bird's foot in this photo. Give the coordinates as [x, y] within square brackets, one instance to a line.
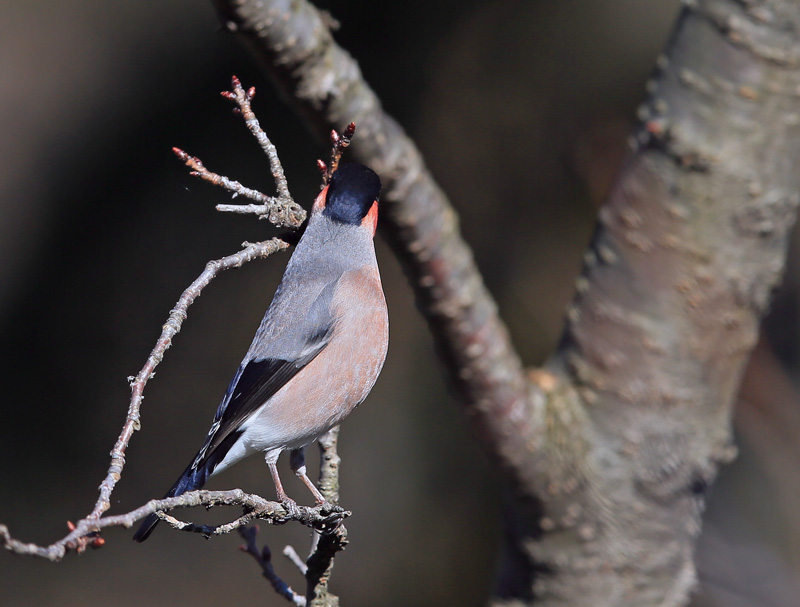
[326, 508]
[332, 516]
[323, 517]
[292, 509]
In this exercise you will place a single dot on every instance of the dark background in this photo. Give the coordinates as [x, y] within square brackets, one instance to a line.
[522, 110]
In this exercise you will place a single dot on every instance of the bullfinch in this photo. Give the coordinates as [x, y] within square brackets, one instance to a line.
[318, 350]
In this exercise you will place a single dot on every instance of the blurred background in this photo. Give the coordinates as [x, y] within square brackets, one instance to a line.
[522, 109]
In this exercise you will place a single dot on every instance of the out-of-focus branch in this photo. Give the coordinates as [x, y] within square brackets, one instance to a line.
[688, 247]
[293, 43]
[264, 559]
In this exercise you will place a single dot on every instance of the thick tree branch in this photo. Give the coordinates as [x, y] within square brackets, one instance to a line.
[687, 249]
[293, 43]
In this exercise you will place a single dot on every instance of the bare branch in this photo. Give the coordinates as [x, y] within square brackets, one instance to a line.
[264, 559]
[269, 207]
[169, 330]
[290, 553]
[178, 315]
[84, 531]
[329, 538]
[280, 210]
[338, 145]
[329, 465]
[320, 565]
[242, 99]
[333, 539]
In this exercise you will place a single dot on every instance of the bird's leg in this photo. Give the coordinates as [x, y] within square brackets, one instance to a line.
[297, 462]
[287, 502]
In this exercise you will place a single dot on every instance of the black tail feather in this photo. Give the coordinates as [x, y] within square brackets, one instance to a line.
[191, 479]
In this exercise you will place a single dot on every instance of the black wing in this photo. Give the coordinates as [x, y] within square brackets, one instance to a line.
[254, 383]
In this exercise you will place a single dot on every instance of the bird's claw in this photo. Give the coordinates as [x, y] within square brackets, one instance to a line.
[292, 509]
[326, 509]
[332, 515]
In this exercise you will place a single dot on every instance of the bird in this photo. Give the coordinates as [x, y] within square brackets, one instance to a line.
[318, 350]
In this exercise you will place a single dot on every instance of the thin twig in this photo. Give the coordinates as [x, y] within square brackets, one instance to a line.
[329, 537]
[290, 553]
[317, 517]
[338, 145]
[280, 210]
[328, 540]
[242, 99]
[199, 170]
[169, 330]
[264, 559]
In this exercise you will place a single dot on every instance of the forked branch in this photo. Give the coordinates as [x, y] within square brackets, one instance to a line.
[280, 210]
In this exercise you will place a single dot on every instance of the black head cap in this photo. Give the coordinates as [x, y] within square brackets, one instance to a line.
[351, 191]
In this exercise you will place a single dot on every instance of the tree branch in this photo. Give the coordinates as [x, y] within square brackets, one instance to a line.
[333, 539]
[280, 210]
[292, 42]
[687, 249]
[264, 559]
[257, 508]
[77, 539]
[170, 329]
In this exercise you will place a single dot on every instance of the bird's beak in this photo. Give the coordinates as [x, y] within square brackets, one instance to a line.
[319, 202]
[371, 219]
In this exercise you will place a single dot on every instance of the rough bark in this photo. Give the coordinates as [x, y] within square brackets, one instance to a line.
[608, 452]
[687, 249]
